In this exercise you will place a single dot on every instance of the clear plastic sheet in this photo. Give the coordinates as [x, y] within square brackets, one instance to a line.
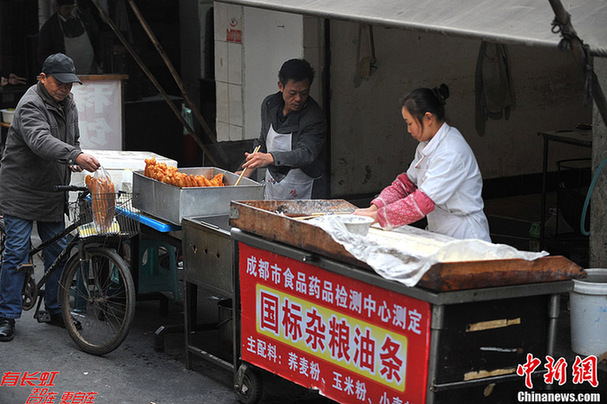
[406, 253]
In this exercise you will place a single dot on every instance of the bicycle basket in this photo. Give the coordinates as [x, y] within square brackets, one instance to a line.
[107, 214]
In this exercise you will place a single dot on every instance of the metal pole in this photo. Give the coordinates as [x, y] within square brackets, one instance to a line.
[436, 325]
[580, 55]
[128, 46]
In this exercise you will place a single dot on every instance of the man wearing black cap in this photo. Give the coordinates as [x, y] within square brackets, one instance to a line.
[42, 148]
[73, 33]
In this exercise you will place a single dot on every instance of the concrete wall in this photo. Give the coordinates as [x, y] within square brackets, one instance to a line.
[369, 143]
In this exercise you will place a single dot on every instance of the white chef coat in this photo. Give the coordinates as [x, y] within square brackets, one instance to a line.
[296, 184]
[446, 170]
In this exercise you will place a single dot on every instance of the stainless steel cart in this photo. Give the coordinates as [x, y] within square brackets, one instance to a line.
[208, 252]
[309, 313]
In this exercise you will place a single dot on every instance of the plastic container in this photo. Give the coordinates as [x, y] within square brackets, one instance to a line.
[588, 310]
[120, 165]
[356, 224]
[7, 115]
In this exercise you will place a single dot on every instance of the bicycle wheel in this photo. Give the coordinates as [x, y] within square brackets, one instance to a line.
[97, 300]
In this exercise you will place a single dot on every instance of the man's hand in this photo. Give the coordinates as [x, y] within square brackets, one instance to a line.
[257, 160]
[247, 174]
[87, 162]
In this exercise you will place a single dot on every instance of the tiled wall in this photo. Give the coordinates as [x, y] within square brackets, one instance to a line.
[250, 46]
[228, 71]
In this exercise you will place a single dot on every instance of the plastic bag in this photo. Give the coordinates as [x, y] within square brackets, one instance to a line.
[103, 196]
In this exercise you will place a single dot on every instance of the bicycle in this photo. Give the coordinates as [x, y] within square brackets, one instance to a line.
[96, 289]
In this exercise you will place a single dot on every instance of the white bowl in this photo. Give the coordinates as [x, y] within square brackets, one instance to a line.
[7, 115]
[356, 224]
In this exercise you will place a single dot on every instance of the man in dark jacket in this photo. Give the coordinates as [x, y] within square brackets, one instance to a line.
[42, 147]
[293, 132]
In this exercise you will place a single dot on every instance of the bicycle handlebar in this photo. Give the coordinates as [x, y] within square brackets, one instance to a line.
[64, 188]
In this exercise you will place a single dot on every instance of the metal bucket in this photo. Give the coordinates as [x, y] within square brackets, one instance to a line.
[588, 309]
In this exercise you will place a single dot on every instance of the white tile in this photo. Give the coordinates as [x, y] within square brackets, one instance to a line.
[235, 132]
[223, 100]
[234, 17]
[221, 61]
[226, 17]
[235, 104]
[223, 131]
[220, 20]
[234, 63]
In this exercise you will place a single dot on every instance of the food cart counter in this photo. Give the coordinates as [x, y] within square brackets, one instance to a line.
[309, 312]
[208, 254]
[194, 221]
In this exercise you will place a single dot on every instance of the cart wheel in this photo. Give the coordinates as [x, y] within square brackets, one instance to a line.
[249, 391]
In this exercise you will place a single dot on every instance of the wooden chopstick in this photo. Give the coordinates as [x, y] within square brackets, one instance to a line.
[317, 214]
[245, 169]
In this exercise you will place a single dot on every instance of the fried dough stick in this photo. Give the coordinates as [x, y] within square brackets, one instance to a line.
[169, 175]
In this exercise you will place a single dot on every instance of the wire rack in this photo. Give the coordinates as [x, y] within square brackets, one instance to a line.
[107, 214]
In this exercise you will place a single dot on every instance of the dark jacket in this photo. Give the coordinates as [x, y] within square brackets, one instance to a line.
[42, 140]
[309, 130]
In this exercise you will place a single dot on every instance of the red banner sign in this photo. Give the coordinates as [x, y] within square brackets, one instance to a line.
[353, 341]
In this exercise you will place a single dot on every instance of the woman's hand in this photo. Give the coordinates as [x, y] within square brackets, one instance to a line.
[371, 212]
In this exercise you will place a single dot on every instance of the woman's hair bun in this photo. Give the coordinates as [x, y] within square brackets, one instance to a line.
[441, 92]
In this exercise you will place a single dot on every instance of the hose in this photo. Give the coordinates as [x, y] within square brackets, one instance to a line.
[587, 201]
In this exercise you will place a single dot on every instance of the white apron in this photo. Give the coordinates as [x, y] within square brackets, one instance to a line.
[79, 48]
[297, 184]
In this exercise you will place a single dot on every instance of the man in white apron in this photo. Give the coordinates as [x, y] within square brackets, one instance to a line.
[70, 32]
[293, 131]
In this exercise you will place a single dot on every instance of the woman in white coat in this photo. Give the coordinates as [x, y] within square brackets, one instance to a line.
[442, 183]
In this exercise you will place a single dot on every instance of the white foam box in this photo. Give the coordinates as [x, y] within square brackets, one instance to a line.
[120, 165]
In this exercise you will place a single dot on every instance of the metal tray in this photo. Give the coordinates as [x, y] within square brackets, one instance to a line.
[171, 203]
[277, 221]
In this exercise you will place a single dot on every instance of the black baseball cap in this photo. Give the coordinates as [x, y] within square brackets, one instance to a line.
[61, 67]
